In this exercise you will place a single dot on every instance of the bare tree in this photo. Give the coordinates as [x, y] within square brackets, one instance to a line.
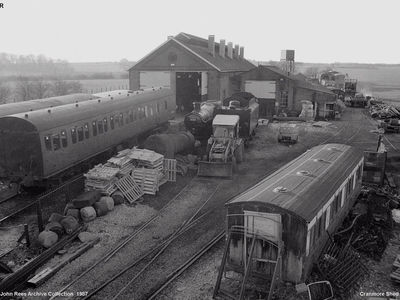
[40, 88]
[5, 92]
[24, 89]
[62, 87]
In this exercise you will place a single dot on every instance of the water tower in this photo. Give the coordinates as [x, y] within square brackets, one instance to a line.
[287, 60]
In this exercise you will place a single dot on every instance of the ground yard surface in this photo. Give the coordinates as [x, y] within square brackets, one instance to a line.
[263, 156]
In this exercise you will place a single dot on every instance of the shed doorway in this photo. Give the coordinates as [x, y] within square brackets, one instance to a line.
[188, 90]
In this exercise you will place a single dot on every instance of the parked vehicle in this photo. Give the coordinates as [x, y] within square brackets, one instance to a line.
[288, 134]
[224, 148]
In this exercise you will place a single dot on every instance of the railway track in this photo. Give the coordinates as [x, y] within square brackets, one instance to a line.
[146, 257]
[15, 206]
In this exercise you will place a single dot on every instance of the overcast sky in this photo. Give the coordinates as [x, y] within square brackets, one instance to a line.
[99, 30]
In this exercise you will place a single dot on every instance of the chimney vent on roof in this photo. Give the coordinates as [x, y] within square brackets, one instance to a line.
[236, 53]
[230, 50]
[222, 48]
[241, 53]
[26, 116]
[49, 110]
[76, 104]
[211, 45]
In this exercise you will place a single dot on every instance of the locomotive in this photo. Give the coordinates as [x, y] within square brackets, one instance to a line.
[38, 145]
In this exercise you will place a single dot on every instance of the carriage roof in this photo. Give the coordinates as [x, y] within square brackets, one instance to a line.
[305, 184]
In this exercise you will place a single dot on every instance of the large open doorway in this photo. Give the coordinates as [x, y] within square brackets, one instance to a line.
[188, 90]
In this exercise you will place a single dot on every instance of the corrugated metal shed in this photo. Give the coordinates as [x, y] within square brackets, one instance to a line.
[305, 184]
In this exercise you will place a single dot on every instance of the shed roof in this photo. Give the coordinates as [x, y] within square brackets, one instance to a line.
[298, 79]
[305, 184]
[198, 47]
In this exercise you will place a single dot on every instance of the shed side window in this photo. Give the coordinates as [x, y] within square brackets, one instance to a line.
[151, 111]
[117, 120]
[100, 126]
[64, 138]
[47, 142]
[73, 135]
[94, 128]
[86, 128]
[56, 142]
[166, 104]
[111, 122]
[131, 115]
[158, 107]
[80, 133]
[121, 119]
[146, 111]
[105, 123]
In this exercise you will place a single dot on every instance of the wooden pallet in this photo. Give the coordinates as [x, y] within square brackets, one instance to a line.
[170, 169]
[148, 179]
[129, 188]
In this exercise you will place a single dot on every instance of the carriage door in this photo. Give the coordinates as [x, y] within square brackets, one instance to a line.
[268, 228]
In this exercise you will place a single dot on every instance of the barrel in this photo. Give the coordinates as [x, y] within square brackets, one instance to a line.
[170, 144]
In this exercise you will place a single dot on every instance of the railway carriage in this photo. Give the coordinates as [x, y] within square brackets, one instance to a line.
[280, 225]
[30, 105]
[37, 145]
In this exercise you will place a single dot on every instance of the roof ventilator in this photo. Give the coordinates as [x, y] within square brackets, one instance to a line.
[303, 172]
[49, 110]
[280, 189]
[335, 149]
[322, 160]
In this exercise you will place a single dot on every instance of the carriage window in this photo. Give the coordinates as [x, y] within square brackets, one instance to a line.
[56, 142]
[86, 128]
[47, 142]
[112, 122]
[166, 104]
[131, 115]
[73, 135]
[117, 120]
[64, 138]
[121, 119]
[146, 111]
[134, 115]
[105, 124]
[151, 111]
[80, 134]
[100, 126]
[94, 128]
[312, 235]
[158, 107]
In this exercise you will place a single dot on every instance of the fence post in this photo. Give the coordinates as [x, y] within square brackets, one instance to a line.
[26, 232]
[39, 214]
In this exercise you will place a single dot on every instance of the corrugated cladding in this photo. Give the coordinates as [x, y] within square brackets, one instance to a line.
[309, 181]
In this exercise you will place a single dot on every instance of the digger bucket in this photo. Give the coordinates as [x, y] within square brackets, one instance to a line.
[215, 169]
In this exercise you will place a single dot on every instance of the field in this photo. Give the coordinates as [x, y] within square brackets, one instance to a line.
[101, 85]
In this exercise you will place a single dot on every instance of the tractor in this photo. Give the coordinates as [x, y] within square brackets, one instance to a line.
[224, 148]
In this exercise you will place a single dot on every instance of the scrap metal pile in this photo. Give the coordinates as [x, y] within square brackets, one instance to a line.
[384, 111]
[368, 227]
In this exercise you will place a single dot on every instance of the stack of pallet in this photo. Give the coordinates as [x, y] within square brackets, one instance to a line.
[103, 178]
[123, 162]
[149, 167]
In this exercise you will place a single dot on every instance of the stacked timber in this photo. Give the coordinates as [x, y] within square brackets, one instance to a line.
[133, 172]
[103, 178]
